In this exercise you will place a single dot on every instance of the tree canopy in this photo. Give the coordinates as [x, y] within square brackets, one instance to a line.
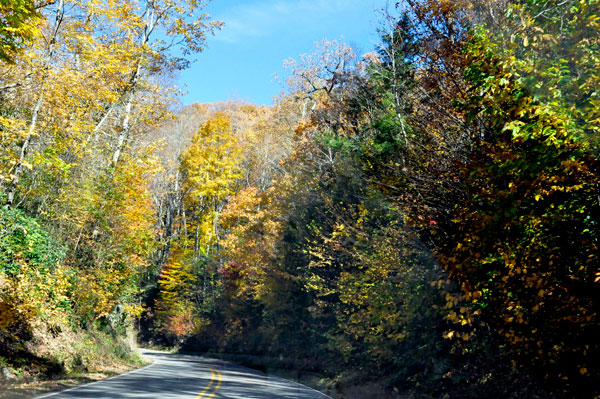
[421, 220]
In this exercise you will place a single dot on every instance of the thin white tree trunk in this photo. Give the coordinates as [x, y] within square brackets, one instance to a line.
[124, 134]
[23, 153]
[125, 126]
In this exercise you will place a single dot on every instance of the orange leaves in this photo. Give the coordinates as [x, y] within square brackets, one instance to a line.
[177, 307]
[251, 239]
[303, 127]
[182, 323]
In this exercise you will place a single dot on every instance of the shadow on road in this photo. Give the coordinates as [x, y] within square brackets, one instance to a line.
[184, 376]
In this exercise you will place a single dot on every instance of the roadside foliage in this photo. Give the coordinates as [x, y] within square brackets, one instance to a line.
[83, 85]
[433, 219]
[417, 221]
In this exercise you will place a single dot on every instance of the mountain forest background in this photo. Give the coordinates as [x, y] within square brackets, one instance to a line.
[418, 221]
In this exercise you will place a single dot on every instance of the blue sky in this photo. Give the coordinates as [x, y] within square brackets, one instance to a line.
[241, 59]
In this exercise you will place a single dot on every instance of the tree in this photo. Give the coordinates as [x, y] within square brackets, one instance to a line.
[18, 27]
[210, 166]
[525, 259]
[553, 50]
[75, 112]
[249, 246]
[34, 284]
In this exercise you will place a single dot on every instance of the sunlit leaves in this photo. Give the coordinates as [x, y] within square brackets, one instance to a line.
[523, 245]
[18, 27]
[34, 284]
[211, 163]
[553, 48]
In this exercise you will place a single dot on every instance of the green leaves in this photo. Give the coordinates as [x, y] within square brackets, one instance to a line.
[34, 285]
[23, 240]
[560, 65]
[18, 27]
[530, 190]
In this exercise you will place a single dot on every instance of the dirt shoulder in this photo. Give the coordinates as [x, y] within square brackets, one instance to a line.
[30, 387]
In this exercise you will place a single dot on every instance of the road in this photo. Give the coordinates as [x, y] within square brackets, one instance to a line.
[189, 377]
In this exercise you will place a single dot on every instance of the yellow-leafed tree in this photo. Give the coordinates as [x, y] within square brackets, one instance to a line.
[211, 169]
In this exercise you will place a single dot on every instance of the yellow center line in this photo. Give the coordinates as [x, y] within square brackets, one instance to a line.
[219, 381]
[212, 380]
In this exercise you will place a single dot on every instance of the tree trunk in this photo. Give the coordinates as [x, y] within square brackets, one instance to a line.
[151, 20]
[24, 152]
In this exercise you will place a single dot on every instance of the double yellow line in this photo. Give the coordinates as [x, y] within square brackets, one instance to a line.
[216, 379]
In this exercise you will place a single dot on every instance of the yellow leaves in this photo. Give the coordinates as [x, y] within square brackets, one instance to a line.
[27, 165]
[32, 298]
[20, 26]
[452, 334]
[212, 162]
[211, 167]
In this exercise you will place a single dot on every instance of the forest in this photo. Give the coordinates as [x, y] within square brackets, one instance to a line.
[419, 221]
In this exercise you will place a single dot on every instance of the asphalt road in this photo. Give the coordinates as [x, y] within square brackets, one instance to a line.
[190, 377]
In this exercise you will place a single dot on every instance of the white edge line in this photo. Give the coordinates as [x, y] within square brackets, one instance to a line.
[95, 382]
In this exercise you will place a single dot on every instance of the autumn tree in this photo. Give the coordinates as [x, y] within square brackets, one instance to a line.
[532, 200]
[497, 172]
[553, 51]
[211, 167]
[75, 112]
[35, 286]
[18, 26]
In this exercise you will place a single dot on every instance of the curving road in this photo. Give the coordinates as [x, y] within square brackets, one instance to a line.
[189, 377]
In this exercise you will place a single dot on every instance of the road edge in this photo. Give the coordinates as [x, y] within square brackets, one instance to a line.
[50, 394]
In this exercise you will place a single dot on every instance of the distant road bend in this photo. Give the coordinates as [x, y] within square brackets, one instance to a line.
[189, 377]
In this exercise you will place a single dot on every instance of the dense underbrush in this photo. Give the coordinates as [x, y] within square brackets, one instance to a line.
[51, 361]
[41, 337]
